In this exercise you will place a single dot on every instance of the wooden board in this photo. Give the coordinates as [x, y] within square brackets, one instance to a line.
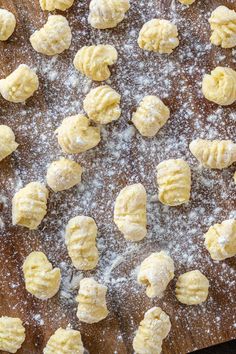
[123, 157]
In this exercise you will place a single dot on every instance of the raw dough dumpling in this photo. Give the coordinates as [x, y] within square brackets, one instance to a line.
[102, 104]
[12, 334]
[153, 329]
[93, 61]
[64, 341]
[7, 141]
[63, 174]
[54, 37]
[130, 212]
[92, 306]
[41, 280]
[29, 205]
[220, 240]
[19, 85]
[187, 2]
[107, 13]
[235, 177]
[51, 5]
[158, 36]
[192, 288]
[7, 24]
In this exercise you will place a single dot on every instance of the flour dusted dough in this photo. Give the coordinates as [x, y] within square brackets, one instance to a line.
[51, 5]
[102, 104]
[187, 2]
[12, 334]
[156, 271]
[7, 141]
[19, 85]
[7, 24]
[54, 37]
[64, 341]
[41, 280]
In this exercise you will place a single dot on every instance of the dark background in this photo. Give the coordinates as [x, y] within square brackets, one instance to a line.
[226, 348]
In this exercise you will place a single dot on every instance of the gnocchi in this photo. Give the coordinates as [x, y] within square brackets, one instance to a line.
[12, 334]
[187, 2]
[7, 141]
[7, 24]
[64, 341]
[51, 5]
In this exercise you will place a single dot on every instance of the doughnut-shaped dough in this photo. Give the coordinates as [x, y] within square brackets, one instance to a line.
[150, 116]
[63, 174]
[102, 104]
[29, 205]
[158, 36]
[220, 86]
[41, 280]
[130, 212]
[19, 85]
[187, 2]
[192, 288]
[153, 329]
[92, 306]
[7, 24]
[75, 135]
[156, 271]
[93, 61]
[220, 240]
[7, 141]
[81, 233]
[174, 182]
[64, 341]
[223, 26]
[216, 154]
[54, 37]
[51, 5]
[12, 334]
[107, 13]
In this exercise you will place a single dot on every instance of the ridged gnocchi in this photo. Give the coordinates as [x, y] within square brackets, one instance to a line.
[12, 334]
[174, 182]
[158, 35]
[63, 174]
[107, 13]
[153, 329]
[187, 2]
[64, 341]
[150, 116]
[51, 5]
[102, 104]
[217, 154]
[192, 288]
[29, 205]
[7, 24]
[220, 240]
[93, 61]
[7, 141]
[130, 212]
[92, 306]
[223, 26]
[54, 37]
[19, 85]
[220, 86]
[156, 271]
[76, 135]
[41, 280]
[81, 233]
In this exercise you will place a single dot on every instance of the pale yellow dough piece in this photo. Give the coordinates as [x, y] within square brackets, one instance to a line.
[130, 212]
[76, 135]
[12, 334]
[64, 341]
[217, 154]
[156, 271]
[19, 85]
[92, 306]
[63, 174]
[81, 233]
[187, 2]
[235, 177]
[223, 26]
[220, 240]
[7, 141]
[51, 5]
[29, 205]
[158, 35]
[41, 280]
[7, 24]
[107, 13]
[174, 182]
[153, 329]
[220, 86]
[102, 104]
[93, 61]
[54, 37]
[192, 288]
[150, 116]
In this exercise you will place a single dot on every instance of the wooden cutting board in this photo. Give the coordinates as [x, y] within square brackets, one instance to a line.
[123, 157]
